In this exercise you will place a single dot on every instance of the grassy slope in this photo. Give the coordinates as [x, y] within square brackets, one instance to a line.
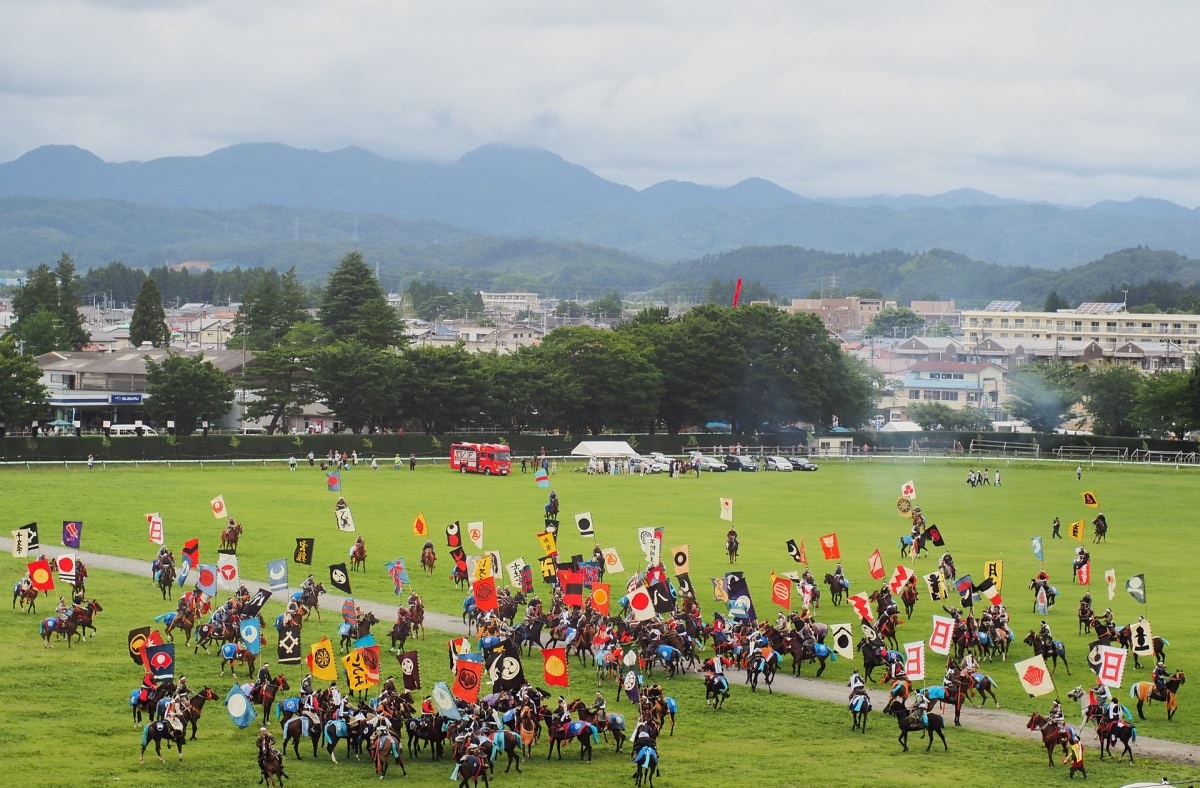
[1146, 512]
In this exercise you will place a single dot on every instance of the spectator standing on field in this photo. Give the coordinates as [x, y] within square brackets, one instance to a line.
[1078, 472]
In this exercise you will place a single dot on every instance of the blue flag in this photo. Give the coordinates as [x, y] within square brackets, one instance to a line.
[277, 575]
[1037, 548]
[399, 574]
[184, 568]
[443, 701]
[333, 480]
[251, 635]
[239, 708]
[207, 582]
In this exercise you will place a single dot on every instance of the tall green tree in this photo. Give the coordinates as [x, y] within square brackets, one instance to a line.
[1045, 392]
[355, 308]
[149, 321]
[185, 389]
[1110, 394]
[46, 309]
[22, 395]
[70, 294]
[282, 374]
[271, 306]
[895, 322]
[358, 382]
[936, 416]
[441, 387]
[1163, 406]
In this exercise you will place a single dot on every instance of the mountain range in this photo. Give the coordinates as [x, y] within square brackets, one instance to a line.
[519, 210]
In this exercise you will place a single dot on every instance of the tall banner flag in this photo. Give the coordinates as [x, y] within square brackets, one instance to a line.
[190, 554]
[304, 551]
[443, 701]
[218, 507]
[646, 538]
[965, 589]
[1035, 678]
[358, 677]
[161, 658]
[1041, 602]
[941, 638]
[485, 593]
[156, 528]
[641, 604]
[72, 530]
[344, 518]
[410, 670]
[989, 591]
[936, 583]
[934, 534]
[206, 581]
[321, 660]
[900, 576]
[251, 636]
[506, 671]
[583, 521]
[994, 571]
[1036, 543]
[420, 527]
[227, 569]
[842, 637]
[1112, 665]
[137, 641]
[554, 667]
[277, 575]
[1142, 639]
[67, 565]
[1110, 580]
[1077, 530]
[399, 574]
[288, 647]
[527, 579]
[914, 660]
[875, 566]
[40, 574]
[514, 572]
[241, 711]
[781, 591]
[727, 509]
[908, 490]
[541, 477]
[612, 561]
[862, 605]
[31, 536]
[20, 540]
[1089, 499]
[453, 535]
[548, 542]
[1084, 574]
[829, 546]
[681, 559]
[1136, 586]
[655, 556]
[333, 480]
[339, 577]
[475, 532]
[600, 598]
[795, 552]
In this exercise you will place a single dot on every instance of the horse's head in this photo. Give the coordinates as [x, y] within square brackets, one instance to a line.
[282, 682]
[1035, 721]
[1076, 693]
[207, 693]
[1179, 677]
[1029, 638]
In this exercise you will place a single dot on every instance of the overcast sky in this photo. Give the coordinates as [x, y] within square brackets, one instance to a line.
[1071, 102]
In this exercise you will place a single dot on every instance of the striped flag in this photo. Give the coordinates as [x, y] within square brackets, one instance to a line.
[277, 574]
[541, 477]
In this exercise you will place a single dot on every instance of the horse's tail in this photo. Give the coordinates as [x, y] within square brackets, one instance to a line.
[1135, 690]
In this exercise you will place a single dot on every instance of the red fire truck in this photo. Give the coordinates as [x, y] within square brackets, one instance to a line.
[490, 459]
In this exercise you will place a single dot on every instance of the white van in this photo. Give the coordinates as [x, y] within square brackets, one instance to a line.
[129, 429]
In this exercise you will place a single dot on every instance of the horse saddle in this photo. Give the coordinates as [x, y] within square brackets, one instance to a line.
[290, 705]
[229, 651]
[344, 630]
[576, 728]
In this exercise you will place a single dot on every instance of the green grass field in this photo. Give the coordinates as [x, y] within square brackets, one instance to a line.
[74, 703]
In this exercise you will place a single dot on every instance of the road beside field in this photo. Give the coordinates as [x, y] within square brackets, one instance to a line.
[990, 720]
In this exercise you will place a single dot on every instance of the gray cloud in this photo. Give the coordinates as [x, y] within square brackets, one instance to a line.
[1069, 101]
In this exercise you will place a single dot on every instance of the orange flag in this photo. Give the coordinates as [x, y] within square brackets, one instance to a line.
[420, 527]
[467, 674]
[781, 591]
[829, 545]
[40, 574]
[600, 598]
[554, 666]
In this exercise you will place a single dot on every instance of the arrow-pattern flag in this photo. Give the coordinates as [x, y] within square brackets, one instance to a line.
[900, 576]
[875, 566]
[862, 605]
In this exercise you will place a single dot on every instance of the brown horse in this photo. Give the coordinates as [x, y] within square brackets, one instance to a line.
[311, 600]
[166, 579]
[416, 614]
[83, 616]
[229, 537]
[265, 694]
[1052, 735]
[385, 746]
[26, 596]
[1145, 691]
[232, 653]
[528, 728]
[909, 596]
[611, 723]
[195, 705]
[428, 560]
[184, 620]
[358, 557]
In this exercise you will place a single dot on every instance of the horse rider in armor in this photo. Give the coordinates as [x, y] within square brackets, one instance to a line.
[1160, 676]
[919, 708]
[266, 746]
[856, 684]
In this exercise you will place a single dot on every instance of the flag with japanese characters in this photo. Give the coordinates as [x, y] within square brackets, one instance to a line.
[862, 605]
[941, 637]
[900, 576]
[875, 566]
[914, 660]
[1112, 665]
[829, 546]
[1084, 574]
[1035, 678]
[514, 572]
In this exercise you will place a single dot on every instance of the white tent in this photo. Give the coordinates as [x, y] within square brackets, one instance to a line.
[607, 449]
[901, 426]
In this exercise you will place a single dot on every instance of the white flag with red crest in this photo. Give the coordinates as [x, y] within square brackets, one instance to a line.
[914, 660]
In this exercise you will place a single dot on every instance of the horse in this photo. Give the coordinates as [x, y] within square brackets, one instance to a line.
[1109, 732]
[471, 768]
[1100, 534]
[271, 765]
[297, 727]
[1125, 637]
[1086, 617]
[860, 709]
[26, 596]
[416, 614]
[529, 634]
[1055, 650]
[149, 703]
[886, 629]
[946, 566]
[399, 634]
[233, 652]
[509, 743]
[731, 549]
[1145, 691]
[311, 599]
[660, 708]
[225, 632]
[333, 731]
[1052, 735]
[917, 545]
[529, 729]
[195, 705]
[156, 732]
[352, 632]
[428, 560]
[716, 691]
[940, 693]
[265, 694]
[385, 746]
[84, 616]
[422, 729]
[358, 557]
[764, 665]
[982, 682]
[646, 760]
[837, 587]
[583, 732]
[909, 596]
[932, 724]
[1036, 586]
[54, 626]
[166, 579]
[185, 620]
[229, 536]
[875, 655]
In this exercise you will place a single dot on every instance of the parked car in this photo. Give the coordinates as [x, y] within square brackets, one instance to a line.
[776, 463]
[740, 462]
[802, 464]
[654, 464]
[708, 463]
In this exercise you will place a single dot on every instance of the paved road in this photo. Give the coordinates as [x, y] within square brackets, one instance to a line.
[990, 720]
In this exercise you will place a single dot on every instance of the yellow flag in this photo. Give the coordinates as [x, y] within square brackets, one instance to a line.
[483, 567]
[357, 675]
[994, 570]
[1077, 530]
[549, 546]
[420, 527]
[1089, 499]
[322, 658]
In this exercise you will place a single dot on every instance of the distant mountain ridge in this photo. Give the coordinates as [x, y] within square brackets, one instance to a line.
[518, 192]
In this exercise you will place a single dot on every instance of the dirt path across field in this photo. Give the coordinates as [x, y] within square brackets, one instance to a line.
[989, 720]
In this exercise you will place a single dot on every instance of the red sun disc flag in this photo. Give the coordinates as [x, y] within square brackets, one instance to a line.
[40, 574]
[641, 605]
[829, 546]
[554, 667]
[781, 591]
[485, 593]
[218, 507]
[875, 564]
